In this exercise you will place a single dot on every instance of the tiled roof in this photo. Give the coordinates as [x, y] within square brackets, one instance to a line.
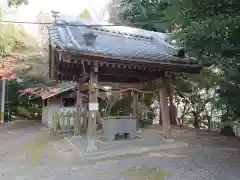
[55, 90]
[116, 41]
[61, 88]
[47, 92]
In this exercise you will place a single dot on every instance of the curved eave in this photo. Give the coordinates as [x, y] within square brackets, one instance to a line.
[189, 65]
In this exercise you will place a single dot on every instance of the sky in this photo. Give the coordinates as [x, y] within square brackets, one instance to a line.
[68, 7]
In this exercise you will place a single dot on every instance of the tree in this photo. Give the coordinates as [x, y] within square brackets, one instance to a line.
[43, 17]
[206, 27]
[8, 38]
[197, 95]
[16, 3]
[114, 9]
[85, 14]
[9, 35]
[208, 30]
[144, 13]
[13, 46]
[97, 15]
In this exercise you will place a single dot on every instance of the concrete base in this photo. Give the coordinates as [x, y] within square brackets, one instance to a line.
[169, 140]
[132, 150]
[77, 137]
[114, 125]
[91, 148]
[91, 145]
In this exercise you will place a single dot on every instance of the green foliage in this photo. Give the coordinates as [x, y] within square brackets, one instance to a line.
[116, 105]
[9, 34]
[16, 2]
[208, 29]
[197, 94]
[23, 112]
[22, 106]
[85, 14]
[107, 105]
[13, 40]
[144, 13]
[122, 105]
[9, 38]
[147, 173]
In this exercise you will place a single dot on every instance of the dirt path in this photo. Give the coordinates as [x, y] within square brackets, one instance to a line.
[200, 138]
[28, 153]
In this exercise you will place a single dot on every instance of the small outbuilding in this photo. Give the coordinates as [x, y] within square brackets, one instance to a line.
[60, 99]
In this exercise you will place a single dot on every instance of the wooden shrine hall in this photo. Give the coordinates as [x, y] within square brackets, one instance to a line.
[113, 54]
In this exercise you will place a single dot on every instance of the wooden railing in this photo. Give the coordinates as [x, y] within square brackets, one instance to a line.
[63, 123]
[216, 126]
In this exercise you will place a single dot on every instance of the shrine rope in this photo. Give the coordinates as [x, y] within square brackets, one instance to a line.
[132, 89]
[92, 87]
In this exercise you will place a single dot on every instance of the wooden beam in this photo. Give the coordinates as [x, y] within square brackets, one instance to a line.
[93, 109]
[50, 59]
[78, 110]
[164, 109]
[166, 62]
[77, 68]
[115, 85]
[119, 79]
[164, 59]
[128, 72]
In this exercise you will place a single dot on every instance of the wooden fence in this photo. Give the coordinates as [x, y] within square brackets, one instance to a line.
[216, 126]
[61, 123]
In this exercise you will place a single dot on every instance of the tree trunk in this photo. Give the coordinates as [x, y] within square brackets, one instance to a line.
[172, 107]
[209, 123]
[173, 114]
[196, 120]
[160, 113]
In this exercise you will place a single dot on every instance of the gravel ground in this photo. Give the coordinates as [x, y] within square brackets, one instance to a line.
[28, 153]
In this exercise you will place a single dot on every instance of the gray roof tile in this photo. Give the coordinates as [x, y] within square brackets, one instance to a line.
[118, 41]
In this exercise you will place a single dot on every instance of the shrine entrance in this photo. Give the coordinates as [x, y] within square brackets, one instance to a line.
[91, 56]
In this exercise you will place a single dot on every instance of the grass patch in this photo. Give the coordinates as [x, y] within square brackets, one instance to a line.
[114, 158]
[36, 147]
[146, 173]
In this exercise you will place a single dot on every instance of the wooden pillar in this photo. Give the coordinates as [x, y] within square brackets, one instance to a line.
[172, 107]
[159, 112]
[78, 110]
[135, 108]
[85, 120]
[93, 109]
[163, 94]
[54, 63]
[50, 59]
